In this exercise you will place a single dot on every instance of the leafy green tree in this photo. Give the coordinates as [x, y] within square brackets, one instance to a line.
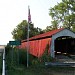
[48, 28]
[63, 14]
[20, 32]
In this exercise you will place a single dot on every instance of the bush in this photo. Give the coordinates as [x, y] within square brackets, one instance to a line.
[7, 49]
[18, 57]
[22, 57]
[46, 56]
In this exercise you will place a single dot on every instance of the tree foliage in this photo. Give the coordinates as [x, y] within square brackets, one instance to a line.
[48, 28]
[20, 32]
[63, 14]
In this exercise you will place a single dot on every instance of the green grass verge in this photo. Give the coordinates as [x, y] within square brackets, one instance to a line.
[42, 70]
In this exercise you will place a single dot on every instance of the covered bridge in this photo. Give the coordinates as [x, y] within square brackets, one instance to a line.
[59, 40]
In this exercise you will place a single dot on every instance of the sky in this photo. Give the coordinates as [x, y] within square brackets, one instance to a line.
[13, 12]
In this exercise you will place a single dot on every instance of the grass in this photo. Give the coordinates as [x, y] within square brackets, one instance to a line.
[41, 70]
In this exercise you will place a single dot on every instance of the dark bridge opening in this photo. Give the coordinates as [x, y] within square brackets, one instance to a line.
[65, 45]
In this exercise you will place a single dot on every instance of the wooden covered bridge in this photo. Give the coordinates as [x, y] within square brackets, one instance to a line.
[59, 40]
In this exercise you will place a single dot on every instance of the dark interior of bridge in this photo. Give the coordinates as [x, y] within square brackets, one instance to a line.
[65, 45]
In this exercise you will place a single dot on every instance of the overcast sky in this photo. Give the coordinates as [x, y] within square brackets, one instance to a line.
[12, 12]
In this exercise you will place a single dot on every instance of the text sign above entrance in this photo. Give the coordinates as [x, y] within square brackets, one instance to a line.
[15, 42]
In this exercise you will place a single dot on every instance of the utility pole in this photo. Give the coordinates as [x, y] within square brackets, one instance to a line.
[29, 21]
[28, 47]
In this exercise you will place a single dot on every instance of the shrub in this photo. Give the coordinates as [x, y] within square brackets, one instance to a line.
[46, 56]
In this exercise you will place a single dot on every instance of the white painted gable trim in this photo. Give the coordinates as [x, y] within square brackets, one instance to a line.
[64, 32]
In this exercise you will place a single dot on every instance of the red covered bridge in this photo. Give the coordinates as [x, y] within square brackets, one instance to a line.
[58, 40]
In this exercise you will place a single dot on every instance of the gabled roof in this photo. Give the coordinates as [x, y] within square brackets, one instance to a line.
[45, 35]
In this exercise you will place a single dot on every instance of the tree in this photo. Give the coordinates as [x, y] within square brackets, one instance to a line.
[63, 14]
[20, 32]
[48, 28]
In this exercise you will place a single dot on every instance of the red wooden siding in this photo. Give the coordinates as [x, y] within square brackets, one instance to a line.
[36, 47]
